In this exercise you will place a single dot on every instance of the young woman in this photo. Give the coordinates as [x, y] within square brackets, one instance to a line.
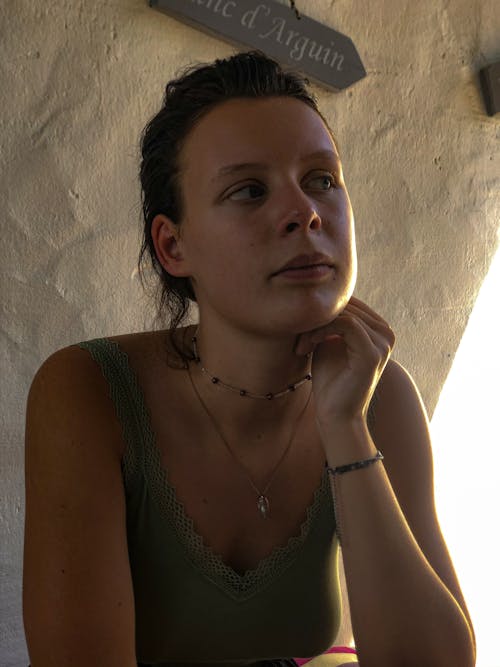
[188, 490]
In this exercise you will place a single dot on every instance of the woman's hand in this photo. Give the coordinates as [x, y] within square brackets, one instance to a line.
[349, 356]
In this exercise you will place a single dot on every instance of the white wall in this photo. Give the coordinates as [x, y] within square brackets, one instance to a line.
[80, 79]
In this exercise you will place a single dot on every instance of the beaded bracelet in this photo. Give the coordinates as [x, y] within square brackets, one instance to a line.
[355, 466]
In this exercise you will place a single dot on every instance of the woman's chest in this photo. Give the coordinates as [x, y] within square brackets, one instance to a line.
[242, 507]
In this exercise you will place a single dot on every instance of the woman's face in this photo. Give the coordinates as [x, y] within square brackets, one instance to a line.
[262, 187]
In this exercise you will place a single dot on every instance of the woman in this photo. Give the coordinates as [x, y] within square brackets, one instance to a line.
[257, 414]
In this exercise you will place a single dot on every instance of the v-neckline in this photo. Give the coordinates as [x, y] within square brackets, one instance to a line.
[172, 510]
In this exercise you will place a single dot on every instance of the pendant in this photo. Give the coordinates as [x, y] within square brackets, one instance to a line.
[263, 505]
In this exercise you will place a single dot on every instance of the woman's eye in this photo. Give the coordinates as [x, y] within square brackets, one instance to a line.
[247, 193]
[323, 182]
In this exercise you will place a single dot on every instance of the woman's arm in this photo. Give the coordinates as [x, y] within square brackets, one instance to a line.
[77, 591]
[405, 601]
[410, 469]
[407, 609]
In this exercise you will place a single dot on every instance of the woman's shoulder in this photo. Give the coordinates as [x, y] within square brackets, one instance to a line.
[69, 396]
[398, 387]
[72, 369]
[399, 404]
[75, 372]
[67, 371]
[71, 388]
[75, 360]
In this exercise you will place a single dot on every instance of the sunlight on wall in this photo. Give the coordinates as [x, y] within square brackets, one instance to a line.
[466, 443]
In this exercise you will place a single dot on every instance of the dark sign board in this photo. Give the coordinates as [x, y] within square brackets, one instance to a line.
[323, 54]
[490, 83]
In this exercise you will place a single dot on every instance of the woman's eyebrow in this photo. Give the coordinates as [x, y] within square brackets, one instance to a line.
[327, 154]
[237, 167]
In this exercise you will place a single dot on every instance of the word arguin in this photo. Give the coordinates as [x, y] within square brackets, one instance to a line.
[324, 54]
[300, 45]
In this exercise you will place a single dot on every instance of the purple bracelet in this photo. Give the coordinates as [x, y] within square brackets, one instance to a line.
[339, 470]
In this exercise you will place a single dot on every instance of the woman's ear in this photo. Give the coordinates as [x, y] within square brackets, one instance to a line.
[168, 246]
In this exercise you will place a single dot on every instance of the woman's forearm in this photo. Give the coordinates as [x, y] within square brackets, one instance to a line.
[402, 613]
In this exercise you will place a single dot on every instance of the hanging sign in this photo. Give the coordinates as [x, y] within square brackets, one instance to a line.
[490, 83]
[324, 55]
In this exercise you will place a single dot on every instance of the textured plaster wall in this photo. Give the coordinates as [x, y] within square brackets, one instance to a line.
[80, 78]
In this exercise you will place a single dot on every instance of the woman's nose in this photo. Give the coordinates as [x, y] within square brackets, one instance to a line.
[299, 213]
[305, 219]
[313, 224]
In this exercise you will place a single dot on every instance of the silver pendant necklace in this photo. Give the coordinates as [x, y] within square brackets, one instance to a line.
[263, 505]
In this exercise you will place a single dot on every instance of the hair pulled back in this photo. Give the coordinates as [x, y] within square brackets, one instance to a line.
[187, 99]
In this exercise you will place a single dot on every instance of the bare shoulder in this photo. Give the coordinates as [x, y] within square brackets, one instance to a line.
[70, 384]
[69, 389]
[397, 378]
[399, 403]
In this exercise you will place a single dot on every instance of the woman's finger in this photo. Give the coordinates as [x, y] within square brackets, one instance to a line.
[355, 308]
[376, 328]
[358, 336]
[366, 314]
[363, 306]
[377, 325]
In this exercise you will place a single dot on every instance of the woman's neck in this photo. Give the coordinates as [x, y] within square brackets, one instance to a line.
[259, 365]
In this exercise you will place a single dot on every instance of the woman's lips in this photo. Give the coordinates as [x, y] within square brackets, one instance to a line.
[313, 271]
[306, 265]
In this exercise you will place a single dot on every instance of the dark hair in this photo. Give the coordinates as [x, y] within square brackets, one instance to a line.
[187, 99]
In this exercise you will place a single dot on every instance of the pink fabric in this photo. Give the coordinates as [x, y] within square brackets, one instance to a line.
[334, 649]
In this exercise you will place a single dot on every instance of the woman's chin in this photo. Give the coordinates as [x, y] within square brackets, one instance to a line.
[319, 315]
[302, 322]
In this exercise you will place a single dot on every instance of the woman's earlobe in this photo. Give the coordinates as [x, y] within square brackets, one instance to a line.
[168, 246]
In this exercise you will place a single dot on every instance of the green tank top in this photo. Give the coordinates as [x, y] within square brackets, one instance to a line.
[190, 607]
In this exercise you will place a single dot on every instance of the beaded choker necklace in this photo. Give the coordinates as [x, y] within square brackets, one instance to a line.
[244, 392]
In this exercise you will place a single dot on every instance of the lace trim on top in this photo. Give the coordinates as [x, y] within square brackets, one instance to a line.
[122, 395]
[237, 586]
[129, 399]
